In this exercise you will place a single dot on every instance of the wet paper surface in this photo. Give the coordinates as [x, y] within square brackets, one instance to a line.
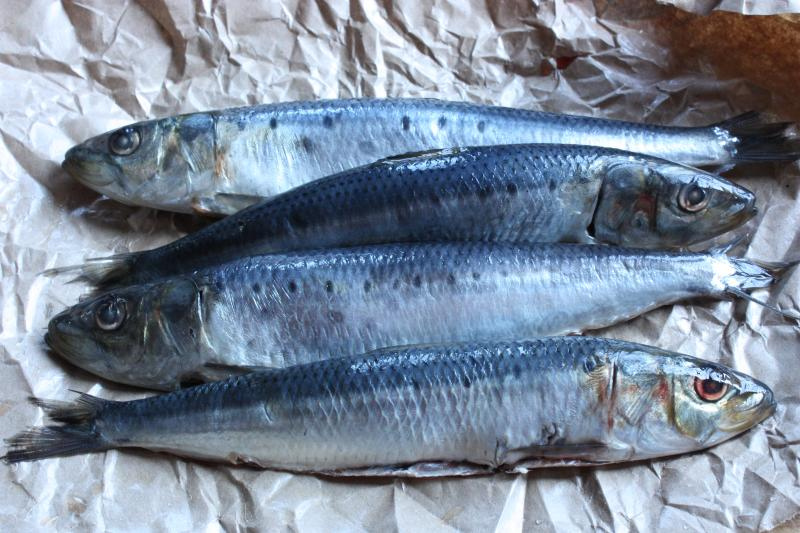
[71, 70]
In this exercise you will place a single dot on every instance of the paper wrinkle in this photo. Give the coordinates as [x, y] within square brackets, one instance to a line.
[76, 69]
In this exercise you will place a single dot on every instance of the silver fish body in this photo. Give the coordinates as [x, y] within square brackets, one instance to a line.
[286, 309]
[519, 194]
[218, 162]
[431, 410]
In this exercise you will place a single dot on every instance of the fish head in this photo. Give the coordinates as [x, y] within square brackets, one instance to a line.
[651, 203]
[666, 403]
[140, 335]
[156, 163]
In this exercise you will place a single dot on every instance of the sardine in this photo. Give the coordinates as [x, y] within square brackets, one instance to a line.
[519, 193]
[219, 162]
[430, 411]
[286, 309]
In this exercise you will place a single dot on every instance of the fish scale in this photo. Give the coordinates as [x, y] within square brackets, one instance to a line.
[487, 406]
[283, 309]
[221, 161]
[519, 193]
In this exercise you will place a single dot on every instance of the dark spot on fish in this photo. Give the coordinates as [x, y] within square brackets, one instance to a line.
[308, 146]
[200, 295]
[336, 317]
[442, 122]
[256, 288]
[273, 123]
[466, 382]
[484, 193]
[511, 188]
[396, 284]
[406, 123]
[550, 434]
[251, 343]
[417, 281]
[416, 384]
[434, 198]
[298, 220]
[242, 226]
[327, 121]
[191, 333]
[552, 185]
[476, 276]
[265, 310]
[329, 286]
[481, 126]
[516, 370]
[367, 286]
[451, 278]
[292, 286]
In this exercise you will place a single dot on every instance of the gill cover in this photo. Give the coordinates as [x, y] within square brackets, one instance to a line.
[649, 203]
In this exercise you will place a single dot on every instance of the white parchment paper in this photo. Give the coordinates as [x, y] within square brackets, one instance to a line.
[73, 69]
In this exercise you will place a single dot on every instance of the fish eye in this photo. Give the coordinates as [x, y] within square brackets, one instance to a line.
[110, 314]
[710, 390]
[124, 141]
[692, 198]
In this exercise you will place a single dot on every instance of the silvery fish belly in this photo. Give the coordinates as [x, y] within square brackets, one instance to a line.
[517, 193]
[285, 309]
[455, 409]
[218, 162]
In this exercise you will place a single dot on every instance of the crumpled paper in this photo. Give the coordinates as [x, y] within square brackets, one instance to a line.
[71, 70]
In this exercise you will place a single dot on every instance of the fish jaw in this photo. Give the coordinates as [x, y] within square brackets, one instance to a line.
[90, 168]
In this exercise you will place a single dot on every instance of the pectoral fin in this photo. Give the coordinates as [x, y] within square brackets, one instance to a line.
[223, 204]
[216, 372]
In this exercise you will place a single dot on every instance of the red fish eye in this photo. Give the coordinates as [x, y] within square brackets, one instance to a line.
[710, 390]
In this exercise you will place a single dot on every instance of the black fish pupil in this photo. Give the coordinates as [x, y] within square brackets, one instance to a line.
[123, 141]
[695, 195]
[711, 387]
[108, 313]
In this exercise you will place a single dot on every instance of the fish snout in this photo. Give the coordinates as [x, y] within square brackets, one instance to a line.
[749, 408]
[88, 168]
[60, 331]
[748, 209]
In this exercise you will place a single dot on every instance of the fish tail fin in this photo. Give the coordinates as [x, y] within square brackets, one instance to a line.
[79, 433]
[753, 274]
[99, 271]
[777, 269]
[757, 139]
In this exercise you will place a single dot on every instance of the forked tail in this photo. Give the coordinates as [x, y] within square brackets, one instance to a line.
[77, 435]
[760, 140]
[752, 274]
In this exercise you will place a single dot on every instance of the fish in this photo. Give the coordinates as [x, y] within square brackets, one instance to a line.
[518, 194]
[426, 411]
[218, 162]
[280, 310]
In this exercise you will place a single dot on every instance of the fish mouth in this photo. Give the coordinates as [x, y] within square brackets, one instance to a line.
[67, 340]
[89, 168]
[748, 210]
[748, 409]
